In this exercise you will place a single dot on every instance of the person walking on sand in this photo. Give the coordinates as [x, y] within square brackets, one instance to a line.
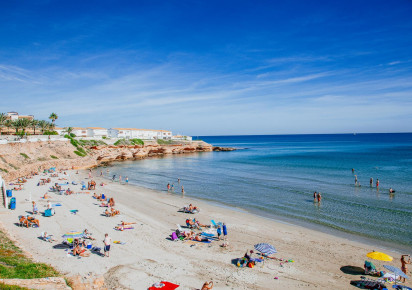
[404, 267]
[107, 241]
[101, 173]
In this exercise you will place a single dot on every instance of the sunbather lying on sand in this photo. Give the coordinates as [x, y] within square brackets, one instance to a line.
[195, 223]
[47, 238]
[123, 227]
[87, 235]
[199, 238]
[126, 223]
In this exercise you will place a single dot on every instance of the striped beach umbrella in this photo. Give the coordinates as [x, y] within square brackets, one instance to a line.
[73, 235]
[265, 249]
[396, 271]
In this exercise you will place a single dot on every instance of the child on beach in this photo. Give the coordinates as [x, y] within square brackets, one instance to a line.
[107, 240]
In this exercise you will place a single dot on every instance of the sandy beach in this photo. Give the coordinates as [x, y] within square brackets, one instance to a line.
[149, 256]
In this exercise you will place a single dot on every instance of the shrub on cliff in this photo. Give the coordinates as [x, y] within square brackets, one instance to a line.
[50, 133]
[80, 153]
[136, 141]
[25, 155]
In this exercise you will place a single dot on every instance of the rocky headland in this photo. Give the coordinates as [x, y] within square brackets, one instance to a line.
[20, 159]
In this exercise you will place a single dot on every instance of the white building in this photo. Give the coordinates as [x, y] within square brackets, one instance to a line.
[60, 131]
[80, 132]
[15, 116]
[145, 134]
[96, 132]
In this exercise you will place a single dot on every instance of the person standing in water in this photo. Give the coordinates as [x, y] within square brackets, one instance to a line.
[371, 182]
[178, 180]
[114, 177]
[353, 170]
[183, 190]
[168, 187]
[377, 182]
[127, 180]
[173, 187]
[319, 197]
[315, 195]
[356, 180]
[120, 179]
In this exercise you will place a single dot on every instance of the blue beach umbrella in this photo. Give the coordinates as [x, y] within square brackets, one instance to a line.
[396, 271]
[265, 249]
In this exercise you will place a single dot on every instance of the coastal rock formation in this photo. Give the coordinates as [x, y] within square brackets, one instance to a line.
[218, 148]
[20, 159]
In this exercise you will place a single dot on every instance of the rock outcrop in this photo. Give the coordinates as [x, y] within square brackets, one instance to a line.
[20, 159]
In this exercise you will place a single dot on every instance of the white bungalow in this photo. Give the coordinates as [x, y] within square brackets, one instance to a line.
[96, 132]
[60, 131]
[15, 116]
[80, 132]
[145, 134]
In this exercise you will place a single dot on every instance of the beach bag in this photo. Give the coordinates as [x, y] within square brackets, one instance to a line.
[174, 236]
[48, 212]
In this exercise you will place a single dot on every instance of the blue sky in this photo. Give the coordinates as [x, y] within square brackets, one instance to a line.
[210, 67]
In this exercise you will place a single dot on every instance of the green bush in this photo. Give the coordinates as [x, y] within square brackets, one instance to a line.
[66, 136]
[74, 142]
[54, 157]
[4, 170]
[104, 137]
[136, 141]
[25, 155]
[72, 135]
[80, 153]
[50, 133]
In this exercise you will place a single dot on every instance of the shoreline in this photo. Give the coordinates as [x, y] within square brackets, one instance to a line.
[386, 245]
[149, 257]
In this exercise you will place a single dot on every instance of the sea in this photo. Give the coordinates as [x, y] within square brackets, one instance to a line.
[275, 176]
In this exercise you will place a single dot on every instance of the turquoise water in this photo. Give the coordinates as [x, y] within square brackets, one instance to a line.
[276, 175]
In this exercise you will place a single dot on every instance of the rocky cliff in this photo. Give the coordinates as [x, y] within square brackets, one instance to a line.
[20, 159]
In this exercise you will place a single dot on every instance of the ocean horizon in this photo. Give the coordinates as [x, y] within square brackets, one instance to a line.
[275, 176]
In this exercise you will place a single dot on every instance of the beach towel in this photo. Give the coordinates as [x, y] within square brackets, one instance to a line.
[56, 204]
[119, 242]
[74, 211]
[167, 286]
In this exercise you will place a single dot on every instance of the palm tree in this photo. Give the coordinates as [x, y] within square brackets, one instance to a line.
[25, 123]
[53, 117]
[8, 124]
[50, 126]
[69, 130]
[34, 124]
[3, 118]
[17, 125]
[43, 125]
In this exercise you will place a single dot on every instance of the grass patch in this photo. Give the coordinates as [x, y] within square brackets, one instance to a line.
[42, 159]
[14, 264]
[4, 170]
[79, 153]
[12, 287]
[91, 142]
[25, 155]
[134, 141]
[12, 166]
[164, 142]
[54, 157]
